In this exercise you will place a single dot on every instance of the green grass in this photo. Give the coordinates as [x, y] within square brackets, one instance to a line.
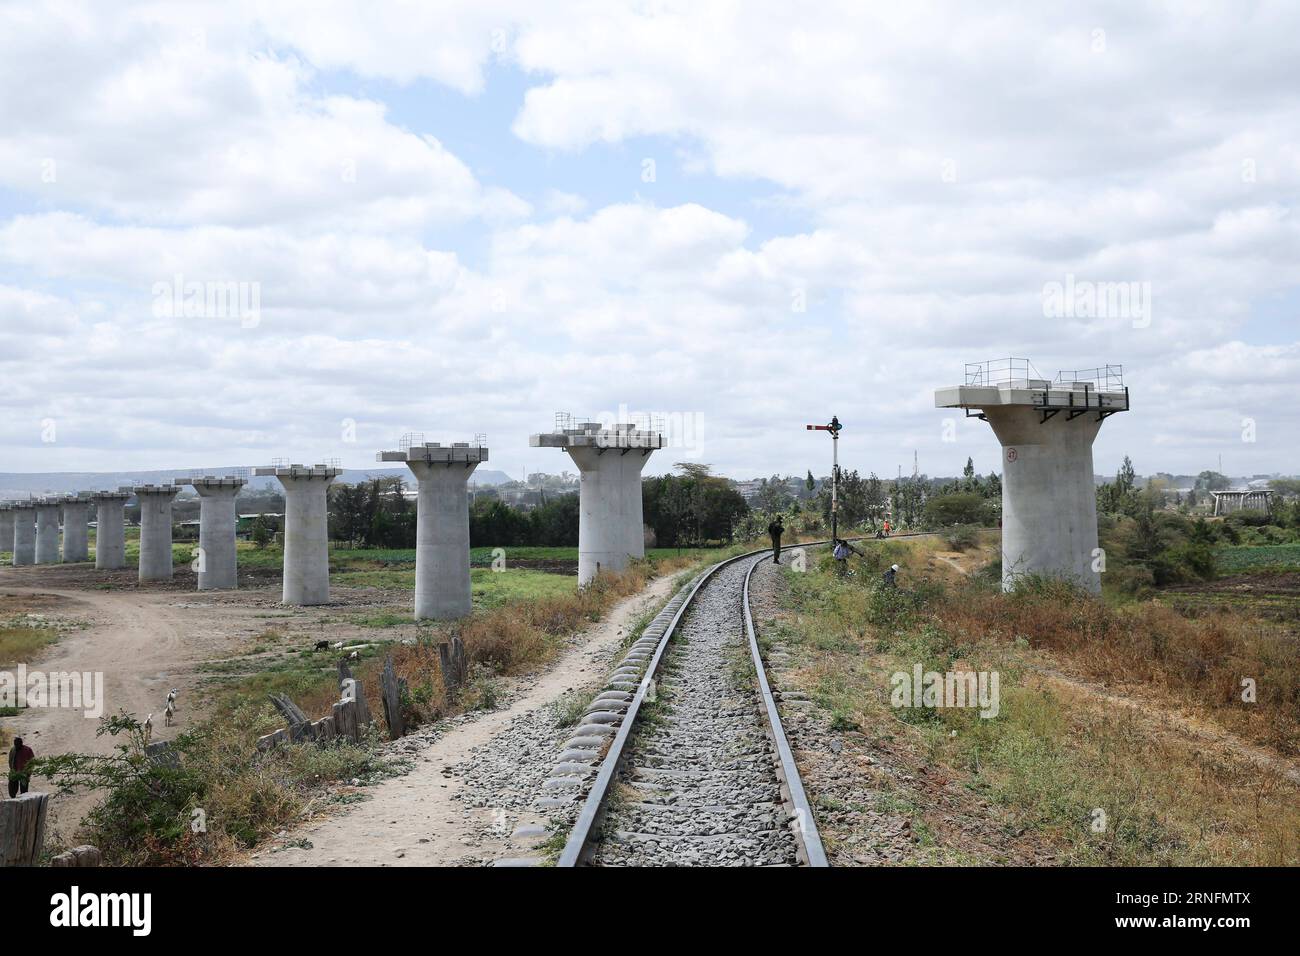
[495, 588]
[343, 559]
[1236, 560]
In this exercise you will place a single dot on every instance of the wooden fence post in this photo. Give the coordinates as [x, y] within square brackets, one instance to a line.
[391, 695]
[22, 828]
[455, 668]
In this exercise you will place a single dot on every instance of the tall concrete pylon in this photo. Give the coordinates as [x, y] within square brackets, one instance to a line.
[110, 528]
[76, 528]
[306, 530]
[610, 462]
[217, 524]
[155, 530]
[442, 585]
[6, 526]
[47, 530]
[24, 543]
[1046, 429]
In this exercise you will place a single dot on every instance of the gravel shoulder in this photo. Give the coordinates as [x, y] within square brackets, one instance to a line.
[473, 778]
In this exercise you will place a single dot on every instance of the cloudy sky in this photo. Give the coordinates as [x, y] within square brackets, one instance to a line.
[235, 232]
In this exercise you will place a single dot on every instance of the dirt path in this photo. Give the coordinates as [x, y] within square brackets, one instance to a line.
[143, 642]
[1182, 725]
[418, 819]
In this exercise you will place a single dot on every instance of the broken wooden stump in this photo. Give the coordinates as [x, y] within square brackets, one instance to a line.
[273, 739]
[455, 666]
[345, 719]
[289, 710]
[391, 695]
[22, 828]
[349, 719]
[353, 690]
[324, 730]
[162, 754]
[81, 856]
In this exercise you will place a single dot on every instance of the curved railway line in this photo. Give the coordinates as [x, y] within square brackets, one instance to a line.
[698, 770]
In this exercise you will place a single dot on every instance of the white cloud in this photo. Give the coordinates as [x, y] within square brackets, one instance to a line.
[944, 162]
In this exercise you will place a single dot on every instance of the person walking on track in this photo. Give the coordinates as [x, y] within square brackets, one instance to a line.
[776, 529]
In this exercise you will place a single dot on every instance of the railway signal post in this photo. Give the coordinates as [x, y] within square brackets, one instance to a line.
[834, 429]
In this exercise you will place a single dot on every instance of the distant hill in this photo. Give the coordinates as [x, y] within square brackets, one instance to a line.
[22, 485]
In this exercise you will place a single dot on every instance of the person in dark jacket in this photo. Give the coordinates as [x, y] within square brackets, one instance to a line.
[19, 758]
[776, 529]
[890, 575]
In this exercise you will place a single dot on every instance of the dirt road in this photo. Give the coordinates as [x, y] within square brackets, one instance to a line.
[143, 642]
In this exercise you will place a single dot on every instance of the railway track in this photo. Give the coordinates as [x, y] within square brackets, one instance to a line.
[699, 771]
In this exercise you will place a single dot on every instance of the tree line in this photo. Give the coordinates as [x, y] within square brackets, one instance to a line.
[683, 510]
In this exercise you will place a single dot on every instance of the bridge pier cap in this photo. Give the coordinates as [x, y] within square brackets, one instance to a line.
[1046, 427]
[610, 461]
[442, 581]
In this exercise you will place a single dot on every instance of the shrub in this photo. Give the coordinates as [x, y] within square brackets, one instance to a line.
[962, 537]
[148, 816]
[960, 508]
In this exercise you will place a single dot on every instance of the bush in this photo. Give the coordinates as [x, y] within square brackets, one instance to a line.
[1189, 562]
[960, 508]
[1132, 580]
[152, 810]
[962, 537]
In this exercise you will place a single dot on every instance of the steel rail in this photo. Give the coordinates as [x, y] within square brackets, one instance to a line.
[575, 847]
[804, 823]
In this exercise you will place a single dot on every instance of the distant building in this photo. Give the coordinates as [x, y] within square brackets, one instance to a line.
[1227, 502]
[244, 523]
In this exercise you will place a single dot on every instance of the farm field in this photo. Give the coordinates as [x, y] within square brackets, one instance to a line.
[1231, 560]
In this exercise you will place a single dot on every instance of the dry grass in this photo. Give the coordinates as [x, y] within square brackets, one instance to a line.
[1175, 790]
[500, 642]
[1201, 660]
[22, 643]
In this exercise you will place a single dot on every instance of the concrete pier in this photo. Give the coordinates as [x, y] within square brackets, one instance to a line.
[610, 461]
[306, 530]
[442, 588]
[1046, 429]
[217, 523]
[110, 528]
[6, 526]
[47, 530]
[155, 530]
[24, 543]
[76, 528]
